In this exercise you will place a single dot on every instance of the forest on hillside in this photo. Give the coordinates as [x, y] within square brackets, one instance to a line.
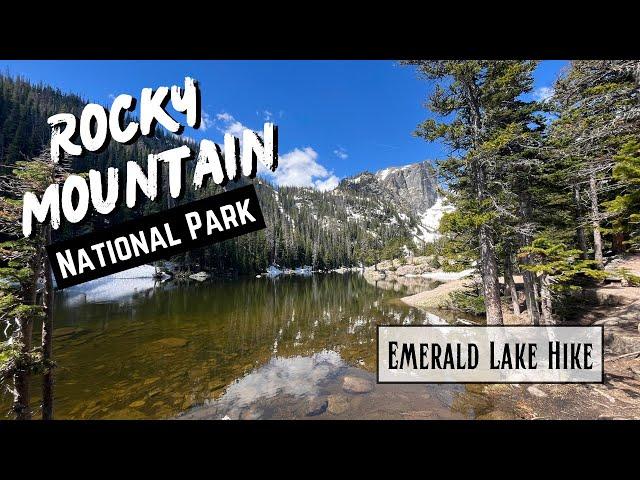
[304, 226]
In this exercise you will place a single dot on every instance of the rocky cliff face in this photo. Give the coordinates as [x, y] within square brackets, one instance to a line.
[366, 209]
[411, 189]
[414, 186]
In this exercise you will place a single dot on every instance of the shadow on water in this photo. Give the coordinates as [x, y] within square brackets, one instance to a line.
[243, 348]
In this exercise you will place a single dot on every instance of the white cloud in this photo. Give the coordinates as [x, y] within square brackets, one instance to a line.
[230, 124]
[328, 184]
[543, 94]
[297, 168]
[267, 115]
[225, 117]
[341, 153]
[300, 168]
[206, 121]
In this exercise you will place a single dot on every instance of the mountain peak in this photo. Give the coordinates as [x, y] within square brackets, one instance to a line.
[414, 185]
[385, 172]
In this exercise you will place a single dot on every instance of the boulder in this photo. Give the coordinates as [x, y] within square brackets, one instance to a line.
[337, 404]
[353, 384]
[619, 342]
[316, 406]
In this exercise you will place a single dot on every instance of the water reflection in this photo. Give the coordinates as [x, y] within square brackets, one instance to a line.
[296, 378]
[405, 285]
[162, 350]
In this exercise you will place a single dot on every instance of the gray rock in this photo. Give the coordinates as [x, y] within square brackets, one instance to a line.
[620, 343]
[352, 384]
[410, 189]
[316, 406]
[413, 185]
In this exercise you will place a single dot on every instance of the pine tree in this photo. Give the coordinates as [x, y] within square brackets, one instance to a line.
[23, 265]
[597, 113]
[479, 97]
[559, 267]
[626, 205]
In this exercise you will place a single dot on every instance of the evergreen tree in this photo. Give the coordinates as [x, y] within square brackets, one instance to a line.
[598, 111]
[625, 207]
[22, 265]
[480, 106]
[559, 268]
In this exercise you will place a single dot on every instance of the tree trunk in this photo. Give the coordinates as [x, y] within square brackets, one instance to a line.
[21, 396]
[595, 219]
[488, 264]
[618, 243]
[528, 278]
[509, 282]
[545, 296]
[489, 272]
[582, 240]
[23, 335]
[47, 339]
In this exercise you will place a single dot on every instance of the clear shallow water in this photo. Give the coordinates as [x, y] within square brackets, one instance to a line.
[242, 348]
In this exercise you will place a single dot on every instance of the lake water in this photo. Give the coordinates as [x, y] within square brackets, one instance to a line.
[238, 348]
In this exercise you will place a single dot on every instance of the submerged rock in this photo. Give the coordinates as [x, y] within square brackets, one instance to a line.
[316, 406]
[337, 404]
[352, 384]
[125, 414]
[472, 402]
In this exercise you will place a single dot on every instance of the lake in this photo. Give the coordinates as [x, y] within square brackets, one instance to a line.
[238, 348]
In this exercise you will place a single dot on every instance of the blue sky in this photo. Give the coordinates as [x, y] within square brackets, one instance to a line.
[335, 118]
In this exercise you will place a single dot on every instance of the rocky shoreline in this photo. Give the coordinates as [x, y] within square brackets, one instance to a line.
[616, 306]
[414, 274]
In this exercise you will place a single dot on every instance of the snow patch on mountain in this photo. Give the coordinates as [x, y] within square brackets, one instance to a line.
[384, 173]
[429, 221]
